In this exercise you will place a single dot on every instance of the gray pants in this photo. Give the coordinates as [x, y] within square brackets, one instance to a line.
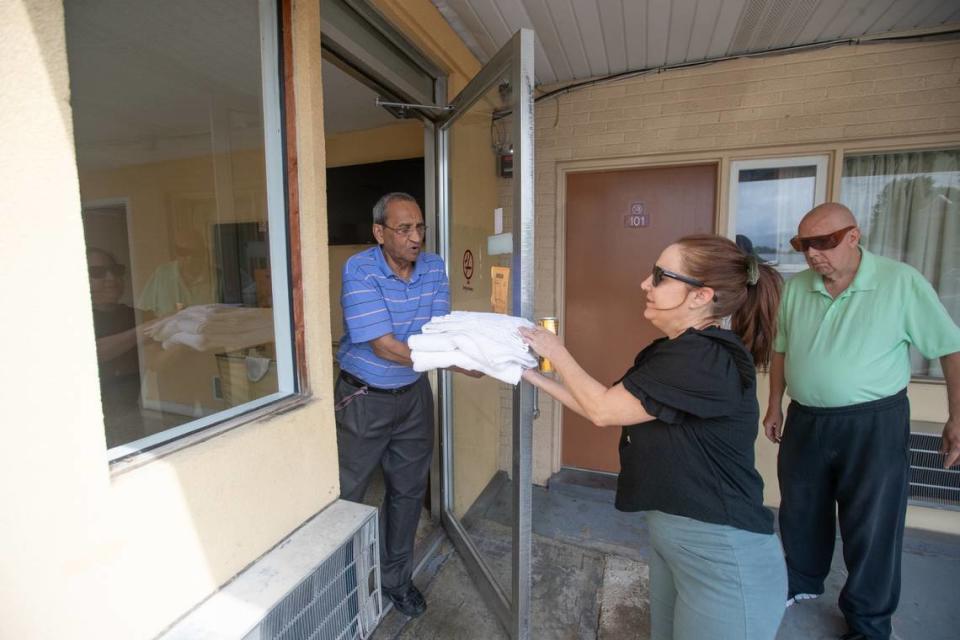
[394, 431]
[713, 581]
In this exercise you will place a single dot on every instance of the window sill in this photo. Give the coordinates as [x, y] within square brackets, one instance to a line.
[137, 460]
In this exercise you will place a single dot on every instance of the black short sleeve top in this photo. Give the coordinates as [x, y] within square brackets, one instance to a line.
[696, 459]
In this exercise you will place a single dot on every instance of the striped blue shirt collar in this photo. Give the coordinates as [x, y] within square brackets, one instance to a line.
[418, 267]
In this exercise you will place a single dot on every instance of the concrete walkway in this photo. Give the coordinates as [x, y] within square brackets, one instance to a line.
[590, 576]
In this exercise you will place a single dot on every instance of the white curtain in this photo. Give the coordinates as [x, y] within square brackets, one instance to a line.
[908, 207]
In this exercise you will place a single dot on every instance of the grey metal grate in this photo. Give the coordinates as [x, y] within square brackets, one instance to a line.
[930, 484]
[339, 601]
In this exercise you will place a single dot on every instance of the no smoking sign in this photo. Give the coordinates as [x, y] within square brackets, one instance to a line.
[468, 265]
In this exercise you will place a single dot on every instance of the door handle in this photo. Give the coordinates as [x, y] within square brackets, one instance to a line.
[536, 403]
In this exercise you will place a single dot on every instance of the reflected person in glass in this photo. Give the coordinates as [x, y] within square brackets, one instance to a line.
[687, 453]
[115, 329]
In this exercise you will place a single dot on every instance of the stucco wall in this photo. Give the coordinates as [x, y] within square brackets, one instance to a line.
[866, 97]
[95, 555]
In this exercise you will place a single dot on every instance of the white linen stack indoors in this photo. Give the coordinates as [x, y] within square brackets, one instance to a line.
[485, 342]
[208, 327]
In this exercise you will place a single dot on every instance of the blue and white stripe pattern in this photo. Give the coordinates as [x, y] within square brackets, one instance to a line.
[376, 302]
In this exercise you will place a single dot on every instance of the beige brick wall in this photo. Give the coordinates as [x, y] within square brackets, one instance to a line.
[811, 102]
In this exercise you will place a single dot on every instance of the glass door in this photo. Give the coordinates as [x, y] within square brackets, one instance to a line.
[485, 153]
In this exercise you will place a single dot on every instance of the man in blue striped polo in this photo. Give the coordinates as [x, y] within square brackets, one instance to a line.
[384, 409]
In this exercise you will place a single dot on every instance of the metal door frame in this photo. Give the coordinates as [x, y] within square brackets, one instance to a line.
[517, 56]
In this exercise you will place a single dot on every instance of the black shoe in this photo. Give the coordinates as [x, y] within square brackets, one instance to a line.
[410, 602]
[853, 635]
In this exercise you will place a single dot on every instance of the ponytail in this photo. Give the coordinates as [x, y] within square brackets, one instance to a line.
[756, 320]
[746, 290]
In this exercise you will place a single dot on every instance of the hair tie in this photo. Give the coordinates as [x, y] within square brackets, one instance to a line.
[753, 270]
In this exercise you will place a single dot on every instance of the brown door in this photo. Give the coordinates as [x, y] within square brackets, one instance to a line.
[618, 222]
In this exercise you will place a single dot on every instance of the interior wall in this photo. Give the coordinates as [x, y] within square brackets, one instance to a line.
[101, 555]
[865, 97]
[394, 142]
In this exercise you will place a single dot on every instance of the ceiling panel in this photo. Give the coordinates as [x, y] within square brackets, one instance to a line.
[796, 19]
[891, 17]
[514, 13]
[941, 14]
[614, 34]
[683, 13]
[658, 32]
[919, 14]
[727, 21]
[852, 11]
[704, 26]
[566, 23]
[867, 19]
[768, 32]
[549, 39]
[581, 39]
[587, 16]
[635, 28]
[470, 20]
[493, 21]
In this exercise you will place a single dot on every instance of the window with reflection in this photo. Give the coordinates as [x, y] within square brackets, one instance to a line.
[767, 200]
[180, 167]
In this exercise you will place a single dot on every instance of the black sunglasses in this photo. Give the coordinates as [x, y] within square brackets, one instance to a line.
[659, 274]
[101, 271]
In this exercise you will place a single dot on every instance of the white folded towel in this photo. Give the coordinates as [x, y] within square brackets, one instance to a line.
[429, 360]
[205, 327]
[486, 342]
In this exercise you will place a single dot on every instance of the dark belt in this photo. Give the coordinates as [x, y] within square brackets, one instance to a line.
[354, 381]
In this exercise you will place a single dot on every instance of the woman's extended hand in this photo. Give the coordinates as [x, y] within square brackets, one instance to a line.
[532, 376]
[545, 343]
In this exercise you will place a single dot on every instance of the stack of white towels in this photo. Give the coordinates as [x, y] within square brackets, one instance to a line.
[485, 342]
[206, 327]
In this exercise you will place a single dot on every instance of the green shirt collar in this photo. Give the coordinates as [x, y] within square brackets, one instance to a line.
[865, 280]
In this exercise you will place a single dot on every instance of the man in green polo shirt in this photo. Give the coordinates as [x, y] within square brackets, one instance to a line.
[845, 327]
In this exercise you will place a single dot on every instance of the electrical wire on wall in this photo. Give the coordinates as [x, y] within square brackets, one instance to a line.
[623, 75]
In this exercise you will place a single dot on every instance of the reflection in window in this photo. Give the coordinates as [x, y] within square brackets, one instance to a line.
[768, 199]
[908, 208]
[168, 108]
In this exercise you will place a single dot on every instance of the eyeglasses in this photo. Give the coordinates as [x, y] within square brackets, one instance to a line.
[821, 243]
[101, 270]
[406, 229]
[659, 274]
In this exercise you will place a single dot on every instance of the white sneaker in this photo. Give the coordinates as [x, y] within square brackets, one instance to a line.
[797, 597]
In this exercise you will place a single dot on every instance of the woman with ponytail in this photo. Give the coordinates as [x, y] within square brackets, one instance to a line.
[687, 454]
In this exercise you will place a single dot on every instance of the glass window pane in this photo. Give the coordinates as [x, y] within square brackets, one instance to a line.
[908, 208]
[770, 197]
[168, 113]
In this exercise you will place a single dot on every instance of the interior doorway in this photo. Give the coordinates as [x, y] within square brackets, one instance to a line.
[617, 223]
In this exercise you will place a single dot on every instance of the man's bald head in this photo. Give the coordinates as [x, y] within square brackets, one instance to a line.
[840, 262]
[825, 218]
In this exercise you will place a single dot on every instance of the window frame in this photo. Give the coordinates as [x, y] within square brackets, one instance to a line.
[279, 138]
[821, 181]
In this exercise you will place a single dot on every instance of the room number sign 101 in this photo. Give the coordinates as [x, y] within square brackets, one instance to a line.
[638, 217]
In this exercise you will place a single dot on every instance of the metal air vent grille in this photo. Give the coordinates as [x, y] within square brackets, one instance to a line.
[930, 484]
[339, 601]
